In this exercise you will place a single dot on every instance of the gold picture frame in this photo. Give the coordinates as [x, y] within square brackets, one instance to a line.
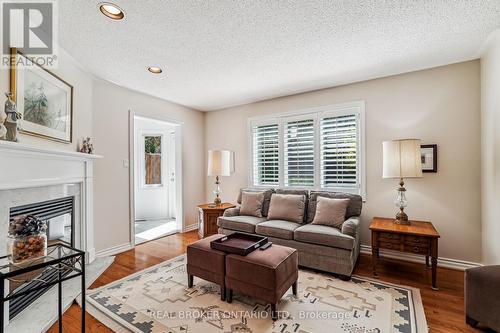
[58, 126]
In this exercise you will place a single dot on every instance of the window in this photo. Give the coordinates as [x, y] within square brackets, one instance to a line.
[319, 148]
[299, 153]
[266, 154]
[152, 160]
[339, 143]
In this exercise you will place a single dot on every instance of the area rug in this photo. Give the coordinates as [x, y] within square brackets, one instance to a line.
[157, 300]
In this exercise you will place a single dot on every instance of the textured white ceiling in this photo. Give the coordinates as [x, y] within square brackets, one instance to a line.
[219, 53]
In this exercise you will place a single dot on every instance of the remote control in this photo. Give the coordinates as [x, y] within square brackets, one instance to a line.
[265, 246]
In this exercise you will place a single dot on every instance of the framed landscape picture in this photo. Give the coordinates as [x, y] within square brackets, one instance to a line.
[428, 155]
[44, 100]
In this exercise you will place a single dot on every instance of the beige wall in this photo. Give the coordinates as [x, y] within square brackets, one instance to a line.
[111, 131]
[440, 105]
[68, 70]
[490, 101]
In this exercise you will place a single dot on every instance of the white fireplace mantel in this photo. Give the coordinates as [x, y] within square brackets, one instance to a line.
[25, 166]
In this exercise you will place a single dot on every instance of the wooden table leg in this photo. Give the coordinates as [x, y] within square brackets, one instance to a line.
[375, 254]
[434, 256]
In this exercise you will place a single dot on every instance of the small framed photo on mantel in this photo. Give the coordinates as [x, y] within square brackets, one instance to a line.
[428, 155]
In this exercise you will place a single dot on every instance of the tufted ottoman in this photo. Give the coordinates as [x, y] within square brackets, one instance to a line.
[205, 263]
[265, 275]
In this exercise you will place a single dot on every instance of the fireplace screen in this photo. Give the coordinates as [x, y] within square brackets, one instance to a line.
[59, 215]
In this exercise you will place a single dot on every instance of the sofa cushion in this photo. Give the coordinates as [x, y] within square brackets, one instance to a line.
[353, 208]
[288, 207]
[277, 228]
[251, 203]
[240, 223]
[330, 212]
[323, 235]
[267, 197]
[305, 193]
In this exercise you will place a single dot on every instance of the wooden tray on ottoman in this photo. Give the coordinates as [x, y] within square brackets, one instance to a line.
[238, 243]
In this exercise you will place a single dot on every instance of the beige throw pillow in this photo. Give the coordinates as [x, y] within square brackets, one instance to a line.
[251, 203]
[330, 212]
[288, 207]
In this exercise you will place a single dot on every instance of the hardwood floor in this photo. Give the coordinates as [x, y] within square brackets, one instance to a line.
[444, 309]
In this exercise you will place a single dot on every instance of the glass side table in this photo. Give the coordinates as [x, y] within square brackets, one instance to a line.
[61, 263]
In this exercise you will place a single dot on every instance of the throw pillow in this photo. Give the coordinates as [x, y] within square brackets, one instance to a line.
[288, 207]
[251, 203]
[330, 212]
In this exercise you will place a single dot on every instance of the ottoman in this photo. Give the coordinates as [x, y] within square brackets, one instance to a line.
[265, 275]
[205, 263]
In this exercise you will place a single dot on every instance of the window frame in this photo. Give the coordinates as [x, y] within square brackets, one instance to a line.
[317, 113]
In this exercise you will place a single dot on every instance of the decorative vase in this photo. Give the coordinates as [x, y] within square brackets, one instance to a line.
[27, 238]
[26, 248]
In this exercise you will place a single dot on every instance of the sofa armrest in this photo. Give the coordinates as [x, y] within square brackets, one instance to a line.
[232, 212]
[350, 226]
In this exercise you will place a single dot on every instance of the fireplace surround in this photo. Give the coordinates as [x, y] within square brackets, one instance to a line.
[31, 175]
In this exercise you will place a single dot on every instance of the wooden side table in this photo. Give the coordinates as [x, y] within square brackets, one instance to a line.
[207, 218]
[418, 238]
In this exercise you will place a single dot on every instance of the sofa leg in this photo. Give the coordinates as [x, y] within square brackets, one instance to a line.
[230, 295]
[274, 312]
[294, 288]
[470, 321]
[222, 293]
[344, 277]
[190, 281]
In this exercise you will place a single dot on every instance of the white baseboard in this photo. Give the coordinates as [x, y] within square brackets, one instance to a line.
[191, 227]
[442, 262]
[114, 250]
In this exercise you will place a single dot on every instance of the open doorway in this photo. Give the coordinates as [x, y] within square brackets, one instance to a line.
[155, 176]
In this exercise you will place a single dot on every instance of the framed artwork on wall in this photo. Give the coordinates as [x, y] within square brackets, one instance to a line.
[44, 100]
[428, 155]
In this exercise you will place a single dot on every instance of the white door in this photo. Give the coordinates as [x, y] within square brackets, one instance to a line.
[152, 179]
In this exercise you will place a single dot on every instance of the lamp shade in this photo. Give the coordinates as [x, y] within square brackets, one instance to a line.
[402, 159]
[219, 163]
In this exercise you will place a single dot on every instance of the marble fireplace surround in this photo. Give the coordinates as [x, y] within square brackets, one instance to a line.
[32, 174]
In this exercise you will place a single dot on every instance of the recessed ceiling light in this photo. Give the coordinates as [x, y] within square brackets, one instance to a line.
[111, 10]
[155, 69]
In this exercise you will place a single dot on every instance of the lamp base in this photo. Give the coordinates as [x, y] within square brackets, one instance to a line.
[402, 218]
[217, 200]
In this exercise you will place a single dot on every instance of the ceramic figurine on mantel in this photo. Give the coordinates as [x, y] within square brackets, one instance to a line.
[12, 121]
[87, 146]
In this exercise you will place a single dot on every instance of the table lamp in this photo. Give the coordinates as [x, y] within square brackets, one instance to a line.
[219, 164]
[402, 160]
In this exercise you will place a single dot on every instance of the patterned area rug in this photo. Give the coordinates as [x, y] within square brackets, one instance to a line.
[157, 300]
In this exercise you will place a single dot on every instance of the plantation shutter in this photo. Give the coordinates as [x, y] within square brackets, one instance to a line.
[339, 151]
[299, 152]
[266, 154]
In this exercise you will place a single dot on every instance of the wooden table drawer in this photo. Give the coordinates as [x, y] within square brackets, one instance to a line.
[389, 245]
[416, 240]
[416, 249]
[389, 237]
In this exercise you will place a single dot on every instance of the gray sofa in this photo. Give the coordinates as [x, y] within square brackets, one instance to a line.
[320, 247]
